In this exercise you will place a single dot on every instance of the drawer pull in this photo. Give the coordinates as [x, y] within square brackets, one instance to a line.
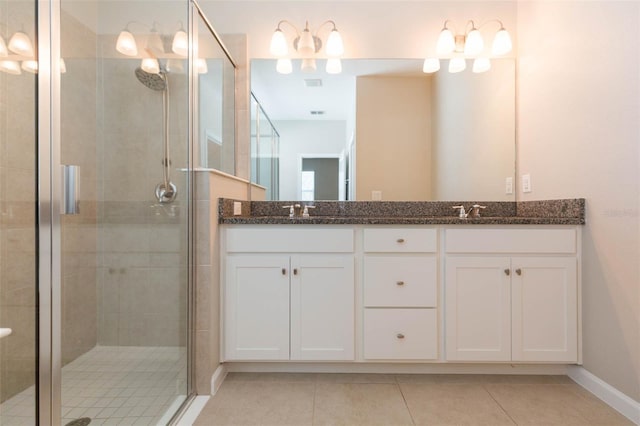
[400, 283]
[507, 272]
[400, 336]
[284, 271]
[400, 240]
[519, 271]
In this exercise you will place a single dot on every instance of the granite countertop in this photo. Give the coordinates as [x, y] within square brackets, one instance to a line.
[547, 212]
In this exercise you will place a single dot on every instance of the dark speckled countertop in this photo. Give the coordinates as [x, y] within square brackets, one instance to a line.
[546, 212]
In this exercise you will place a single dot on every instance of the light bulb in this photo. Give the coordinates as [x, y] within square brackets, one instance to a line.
[279, 44]
[334, 66]
[308, 65]
[10, 67]
[201, 66]
[180, 45]
[431, 65]
[473, 44]
[284, 66]
[63, 66]
[446, 42]
[3, 48]
[501, 43]
[20, 44]
[481, 65]
[30, 66]
[150, 65]
[334, 44]
[126, 44]
[457, 65]
[306, 45]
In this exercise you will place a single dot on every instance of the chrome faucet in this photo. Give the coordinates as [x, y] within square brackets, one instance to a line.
[463, 213]
[298, 210]
[474, 211]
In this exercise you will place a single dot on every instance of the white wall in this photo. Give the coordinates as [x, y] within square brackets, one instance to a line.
[579, 136]
[305, 137]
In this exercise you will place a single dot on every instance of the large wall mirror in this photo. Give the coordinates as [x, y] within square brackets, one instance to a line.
[384, 130]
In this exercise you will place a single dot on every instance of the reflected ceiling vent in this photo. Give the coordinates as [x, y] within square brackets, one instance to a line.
[317, 112]
[313, 82]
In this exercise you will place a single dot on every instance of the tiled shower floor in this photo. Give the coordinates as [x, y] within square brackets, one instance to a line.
[113, 385]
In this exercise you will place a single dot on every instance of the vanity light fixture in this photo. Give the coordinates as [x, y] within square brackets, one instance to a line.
[10, 67]
[3, 48]
[307, 46]
[180, 44]
[20, 44]
[469, 45]
[127, 45]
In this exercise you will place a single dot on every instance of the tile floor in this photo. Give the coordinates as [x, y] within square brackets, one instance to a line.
[379, 399]
[113, 385]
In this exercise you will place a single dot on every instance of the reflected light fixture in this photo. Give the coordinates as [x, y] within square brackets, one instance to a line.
[30, 66]
[180, 44]
[3, 48]
[10, 67]
[150, 65]
[126, 43]
[20, 44]
[63, 66]
[307, 45]
[201, 66]
[470, 44]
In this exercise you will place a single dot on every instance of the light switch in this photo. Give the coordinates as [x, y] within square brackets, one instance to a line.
[376, 195]
[237, 208]
[508, 186]
[526, 183]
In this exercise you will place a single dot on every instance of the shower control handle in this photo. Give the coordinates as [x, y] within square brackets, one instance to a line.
[70, 203]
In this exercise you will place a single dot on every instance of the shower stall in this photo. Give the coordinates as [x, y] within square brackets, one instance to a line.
[97, 157]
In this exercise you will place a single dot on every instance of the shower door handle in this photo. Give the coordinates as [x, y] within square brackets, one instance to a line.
[70, 203]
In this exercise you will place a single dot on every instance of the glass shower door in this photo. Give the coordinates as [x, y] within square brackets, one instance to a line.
[124, 144]
[18, 235]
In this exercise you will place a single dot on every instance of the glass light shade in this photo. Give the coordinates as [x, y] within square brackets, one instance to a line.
[201, 66]
[306, 45]
[30, 66]
[334, 66]
[284, 66]
[501, 43]
[474, 43]
[334, 44]
[126, 44]
[10, 67]
[279, 44]
[481, 65]
[3, 48]
[457, 65]
[308, 65]
[431, 65]
[446, 42]
[63, 66]
[150, 65]
[20, 44]
[180, 44]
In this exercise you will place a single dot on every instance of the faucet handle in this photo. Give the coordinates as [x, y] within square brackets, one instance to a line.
[475, 210]
[305, 213]
[291, 210]
[463, 214]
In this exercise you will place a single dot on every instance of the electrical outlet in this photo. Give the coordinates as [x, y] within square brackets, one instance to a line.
[376, 195]
[508, 186]
[237, 208]
[526, 183]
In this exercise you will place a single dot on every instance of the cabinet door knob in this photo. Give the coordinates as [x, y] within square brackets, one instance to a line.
[507, 272]
[400, 336]
[295, 271]
[519, 271]
[400, 240]
[284, 271]
[400, 283]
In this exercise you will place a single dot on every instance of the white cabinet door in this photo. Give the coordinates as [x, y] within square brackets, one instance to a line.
[544, 297]
[322, 307]
[478, 309]
[257, 307]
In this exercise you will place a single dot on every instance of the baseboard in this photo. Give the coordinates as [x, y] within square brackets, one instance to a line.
[394, 368]
[218, 378]
[620, 402]
[193, 411]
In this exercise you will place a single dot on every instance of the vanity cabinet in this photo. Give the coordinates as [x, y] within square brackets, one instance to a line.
[511, 295]
[400, 283]
[289, 306]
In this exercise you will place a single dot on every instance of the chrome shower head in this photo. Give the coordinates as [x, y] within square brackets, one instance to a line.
[152, 81]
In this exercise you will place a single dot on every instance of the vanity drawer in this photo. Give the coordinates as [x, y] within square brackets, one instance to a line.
[400, 334]
[288, 239]
[401, 240]
[407, 281]
[540, 240]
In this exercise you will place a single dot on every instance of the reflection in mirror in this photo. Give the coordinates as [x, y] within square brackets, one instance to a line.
[382, 129]
[216, 85]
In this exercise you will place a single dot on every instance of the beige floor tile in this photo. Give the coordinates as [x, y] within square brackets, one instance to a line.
[547, 405]
[482, 378]
[359, 404]
[453, 404]
[356, 378]
[271, 377]
[259, 403]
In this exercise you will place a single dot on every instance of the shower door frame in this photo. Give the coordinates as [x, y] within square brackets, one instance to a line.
[49, 182]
